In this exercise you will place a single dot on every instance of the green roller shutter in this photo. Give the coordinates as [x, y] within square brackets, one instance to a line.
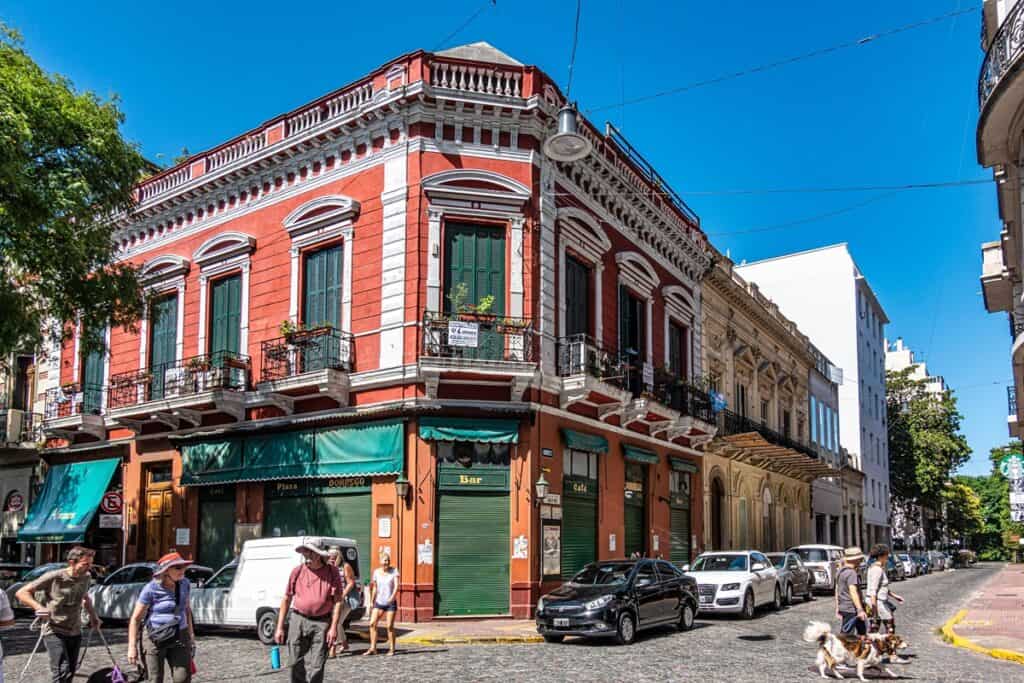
[633, 510]
[472, 553]
[349, 516]
[216, 526]
[226, 315]
[579, 525]
[680, 520]
[289, 517]
[93, 379]
[163, 341]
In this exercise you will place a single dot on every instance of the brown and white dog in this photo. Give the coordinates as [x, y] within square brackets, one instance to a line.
[864, 652]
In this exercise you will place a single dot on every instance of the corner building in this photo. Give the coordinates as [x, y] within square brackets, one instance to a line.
[386, 315]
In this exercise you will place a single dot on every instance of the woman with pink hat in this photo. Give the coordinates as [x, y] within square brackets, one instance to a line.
[163, 604]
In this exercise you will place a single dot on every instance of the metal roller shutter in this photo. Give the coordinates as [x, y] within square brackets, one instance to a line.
[350, 516]
[472, 553]
[634, 522]
[579, 534]
[680, 520]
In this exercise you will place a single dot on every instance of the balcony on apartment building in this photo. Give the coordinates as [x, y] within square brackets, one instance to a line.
[1000, 83]
[307, 364]
[478, 350]
[996, 285]
[179, 393]
[596, 376]
[747, 440]
[75, 410]
[1012, 420]
[19, 428]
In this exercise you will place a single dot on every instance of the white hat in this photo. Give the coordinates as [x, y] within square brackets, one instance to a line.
[309, 546]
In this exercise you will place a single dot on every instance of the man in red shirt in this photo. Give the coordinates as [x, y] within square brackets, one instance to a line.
[312, 602]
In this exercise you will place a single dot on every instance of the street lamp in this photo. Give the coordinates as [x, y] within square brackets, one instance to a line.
[402, 487]
[541, 487]
[567, 144]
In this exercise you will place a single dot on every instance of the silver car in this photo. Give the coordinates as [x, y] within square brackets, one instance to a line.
[823, 561]
[115, 596]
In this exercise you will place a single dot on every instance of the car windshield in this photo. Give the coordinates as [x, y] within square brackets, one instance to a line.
[720, 563]
[778, 559]
[812, 554]
[603, 574]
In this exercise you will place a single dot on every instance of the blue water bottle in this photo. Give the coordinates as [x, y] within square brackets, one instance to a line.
[275, 657]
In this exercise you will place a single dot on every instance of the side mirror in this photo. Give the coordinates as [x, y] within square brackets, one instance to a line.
[686, 567]
[757, 567]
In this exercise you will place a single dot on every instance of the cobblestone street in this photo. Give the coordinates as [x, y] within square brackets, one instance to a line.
[719, 649]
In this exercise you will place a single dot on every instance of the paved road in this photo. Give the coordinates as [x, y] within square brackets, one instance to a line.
[719, 649]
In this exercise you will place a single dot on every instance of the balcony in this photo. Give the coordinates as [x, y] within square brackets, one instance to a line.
[19, 428]
[171, 394]
[596, 376]
[475, 349]
[1000, 89]
[75, 410]
[696, 418]
[996, 286]
[753, 442]
[307, 364]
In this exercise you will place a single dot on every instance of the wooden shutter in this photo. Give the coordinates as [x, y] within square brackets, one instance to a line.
[226, 315]
[472, 553]
[577, 297]
[93, 379]
[322, 296]
[475, 256]
[163, 341]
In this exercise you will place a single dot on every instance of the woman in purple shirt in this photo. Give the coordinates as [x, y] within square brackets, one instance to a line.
[163, 604]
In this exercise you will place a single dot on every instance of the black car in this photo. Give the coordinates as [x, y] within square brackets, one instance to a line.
[616, 599]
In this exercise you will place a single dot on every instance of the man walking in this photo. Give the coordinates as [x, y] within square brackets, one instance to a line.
[312, 603]
[849, 605]
[66, 592]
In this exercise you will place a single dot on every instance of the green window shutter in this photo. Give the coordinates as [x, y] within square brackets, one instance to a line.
[163, 341]
[579, 532]
[93, 379]
[577, 297]
[226, 315]
[679, 553]
[472, 554]
[322, 296]
[475, 256]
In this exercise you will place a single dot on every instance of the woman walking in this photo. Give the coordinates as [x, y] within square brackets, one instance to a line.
[384, 598]
[163, 604]
[348, 580]
[879, 596]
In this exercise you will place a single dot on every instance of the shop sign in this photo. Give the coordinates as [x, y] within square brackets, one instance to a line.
[495, 479]
[464, 334]
[1012, 466]
[579, 487]
[111, 503]
[182, 536]
[15, 502]
[111, 521]
[553, 499]
[303, 488]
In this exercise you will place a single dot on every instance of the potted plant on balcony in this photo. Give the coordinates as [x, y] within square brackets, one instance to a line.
[512, 325]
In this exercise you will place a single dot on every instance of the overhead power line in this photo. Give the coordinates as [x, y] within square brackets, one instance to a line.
[788, 60]
[847, 188]
[469, 20]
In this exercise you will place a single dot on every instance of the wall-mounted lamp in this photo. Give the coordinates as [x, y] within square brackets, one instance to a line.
[541, 488]
[402, 487]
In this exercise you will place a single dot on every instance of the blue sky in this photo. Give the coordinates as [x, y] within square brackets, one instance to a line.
[900, 109]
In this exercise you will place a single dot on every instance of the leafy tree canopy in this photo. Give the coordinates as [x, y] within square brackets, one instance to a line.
[963, 512]
[993, 490]
[64, 171]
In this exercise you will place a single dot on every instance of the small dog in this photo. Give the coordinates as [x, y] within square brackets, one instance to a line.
[864, 652]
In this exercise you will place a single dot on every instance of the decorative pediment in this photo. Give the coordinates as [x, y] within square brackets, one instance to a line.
[224, 246]
[637, 272]
[581, 231]
[476, 189]
[325, 212]
[164, 268]
[679, 302]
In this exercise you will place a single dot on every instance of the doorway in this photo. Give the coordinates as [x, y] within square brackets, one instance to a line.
[158, 531]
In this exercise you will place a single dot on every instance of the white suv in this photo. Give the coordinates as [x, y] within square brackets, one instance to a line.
[735, 582]
[823, 561]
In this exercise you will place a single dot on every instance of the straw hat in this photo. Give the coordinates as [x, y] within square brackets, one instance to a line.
[852, 554]
[312, 548]
[170, 560]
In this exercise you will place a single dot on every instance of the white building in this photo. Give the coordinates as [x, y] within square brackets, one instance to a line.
[825, 293]
[899, 356]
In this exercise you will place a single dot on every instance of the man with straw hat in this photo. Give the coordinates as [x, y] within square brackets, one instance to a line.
[849, 605]
[312, 605]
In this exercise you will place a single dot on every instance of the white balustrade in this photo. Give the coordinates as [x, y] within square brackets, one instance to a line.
[476, 79]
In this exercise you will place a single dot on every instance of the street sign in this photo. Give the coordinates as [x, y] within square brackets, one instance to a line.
[111, 503]
[1012, 466]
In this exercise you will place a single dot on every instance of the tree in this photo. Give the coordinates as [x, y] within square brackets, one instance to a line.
[993, 541]
[65, 171]
[925, 443]
[963, 512]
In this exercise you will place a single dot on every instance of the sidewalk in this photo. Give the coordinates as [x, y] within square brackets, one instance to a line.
[459, 632]
[992, 621]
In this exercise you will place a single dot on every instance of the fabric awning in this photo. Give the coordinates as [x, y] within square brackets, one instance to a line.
[582, 441]
[680, 465]
[641, 455]
[68, 502]
[469, 429]
[375, 448]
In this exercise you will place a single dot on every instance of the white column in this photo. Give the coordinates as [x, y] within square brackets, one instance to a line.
[599, 302]
[516, 288]
[243, 332]
[547, 246]
[650, 331]
[393, 240]
[179, 351]
[144, 335]
[293, 295]
[562, 303]
[76, 368]
[347, 236]
[433, 259]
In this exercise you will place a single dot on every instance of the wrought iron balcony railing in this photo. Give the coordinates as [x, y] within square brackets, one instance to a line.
[218, 370]
[19, 426]
[74, 399]
[478, 337]
[733, 423]
[1011, 400]
[1003, 54]
[324, 348]
[682, 396]
[581, 354]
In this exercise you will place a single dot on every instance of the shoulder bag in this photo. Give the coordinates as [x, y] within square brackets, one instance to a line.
[168, 633]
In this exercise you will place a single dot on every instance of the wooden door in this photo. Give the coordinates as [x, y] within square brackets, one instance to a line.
[158, 532]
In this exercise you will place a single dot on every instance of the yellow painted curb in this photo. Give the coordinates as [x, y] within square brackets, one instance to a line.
[470, 640]
[959, 641]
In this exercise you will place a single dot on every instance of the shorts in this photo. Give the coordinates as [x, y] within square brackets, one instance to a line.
[851, 625]
[390, 607]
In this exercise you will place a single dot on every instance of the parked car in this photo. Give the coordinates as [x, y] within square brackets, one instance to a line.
[617, 599]
[937, 560]
[823, 561]
[794, 577]
[923, 567]
[10, 572]
[115, 596]
[893, 569]
[28, 577]
[909, 566]
[736, 582]
[247, 594]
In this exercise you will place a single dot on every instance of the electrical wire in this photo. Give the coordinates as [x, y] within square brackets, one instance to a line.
[808, 219]
[466, 23]
[575, 42]
[847, 188]
[788, 60]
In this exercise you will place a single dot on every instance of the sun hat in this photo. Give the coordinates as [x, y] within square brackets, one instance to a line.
[852, 554]
[170, 560]
[309, 546]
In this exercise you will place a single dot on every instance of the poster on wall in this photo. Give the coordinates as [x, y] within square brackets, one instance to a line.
[520, 548]
[552, 550]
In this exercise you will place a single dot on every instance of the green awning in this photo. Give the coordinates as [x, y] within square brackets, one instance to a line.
[360, 450]
[640, 455]
[68, 502]
[582, 441]
[680, 465]
[469, 429]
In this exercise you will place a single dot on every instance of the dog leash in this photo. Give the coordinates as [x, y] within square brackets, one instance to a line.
[34, 626]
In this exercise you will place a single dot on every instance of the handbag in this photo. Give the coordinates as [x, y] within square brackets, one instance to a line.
[355, 597]
[168, 633]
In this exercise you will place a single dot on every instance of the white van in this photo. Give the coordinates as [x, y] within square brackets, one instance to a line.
[247, 594]
[823, 561]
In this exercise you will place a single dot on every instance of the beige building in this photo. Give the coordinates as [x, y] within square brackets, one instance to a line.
[759, 466]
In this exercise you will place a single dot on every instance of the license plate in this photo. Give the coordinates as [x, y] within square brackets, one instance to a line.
[704, 600]
[561, 622]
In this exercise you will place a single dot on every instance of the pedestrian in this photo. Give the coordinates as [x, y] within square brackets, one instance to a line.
[312, 604]
[170, 634]
[348, 581]
[849, 605]
[879, 596]
[66, 594]
[384, 598]
[6, 619]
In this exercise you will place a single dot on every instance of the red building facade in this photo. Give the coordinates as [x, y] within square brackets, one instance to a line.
[393, 291]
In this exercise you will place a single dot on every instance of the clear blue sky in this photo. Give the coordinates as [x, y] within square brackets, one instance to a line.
[902, 109]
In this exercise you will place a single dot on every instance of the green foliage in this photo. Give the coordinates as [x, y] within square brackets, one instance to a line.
[457, 297]
[992, 542]
[963, 512]
[485, 304]
[925, 443]
[64, 171]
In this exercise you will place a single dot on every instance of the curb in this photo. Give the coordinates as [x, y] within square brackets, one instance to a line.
[959, 641]
[471, 640]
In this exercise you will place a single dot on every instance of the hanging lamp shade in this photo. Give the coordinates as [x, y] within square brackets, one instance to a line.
[567, 144]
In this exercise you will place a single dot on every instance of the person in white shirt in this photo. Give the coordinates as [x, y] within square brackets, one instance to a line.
[384, 598]
[880, 598]
[6, 619]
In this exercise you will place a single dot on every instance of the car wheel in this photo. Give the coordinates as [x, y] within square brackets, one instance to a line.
[748, 605]
[789, 594]
[808, 595]
[553, 639]
[626, 632]
[777, 600]
[266, 625]
[686, 617]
